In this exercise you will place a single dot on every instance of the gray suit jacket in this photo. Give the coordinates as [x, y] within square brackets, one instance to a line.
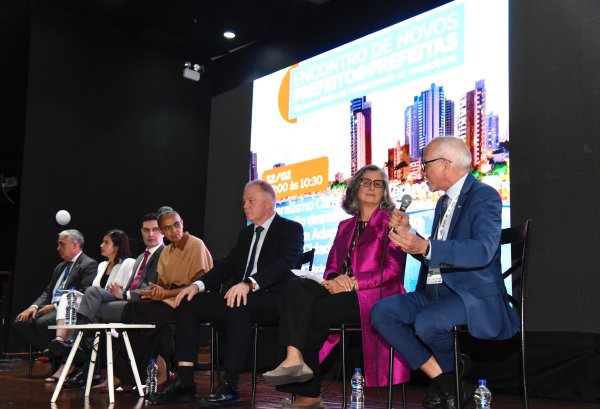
[150, 273]
[82, 274]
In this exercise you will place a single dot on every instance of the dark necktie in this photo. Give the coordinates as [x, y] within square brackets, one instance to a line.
[432, 289]
[138, 277]
[63, 282]
[250, 266]
[445, 199]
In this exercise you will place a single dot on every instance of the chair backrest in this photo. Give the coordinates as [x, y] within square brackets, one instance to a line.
[307, 257]
[518, 237]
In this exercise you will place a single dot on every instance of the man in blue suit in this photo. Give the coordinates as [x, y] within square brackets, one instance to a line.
[460, 281]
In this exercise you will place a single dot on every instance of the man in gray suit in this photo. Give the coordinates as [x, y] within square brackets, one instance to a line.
[77, 270]
[106, 305]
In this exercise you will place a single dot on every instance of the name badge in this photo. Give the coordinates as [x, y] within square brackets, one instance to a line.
[434, 276]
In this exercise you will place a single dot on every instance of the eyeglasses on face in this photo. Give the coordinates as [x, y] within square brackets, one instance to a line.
[378, 183]
[176, 226]
[424, 164]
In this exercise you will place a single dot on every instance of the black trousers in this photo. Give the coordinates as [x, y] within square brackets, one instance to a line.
[35, 331]
[262, 308]
[307, 312]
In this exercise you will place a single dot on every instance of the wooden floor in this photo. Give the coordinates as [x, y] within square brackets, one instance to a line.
[19, 391]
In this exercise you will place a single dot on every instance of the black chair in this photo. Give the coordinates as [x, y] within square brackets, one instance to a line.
[518, 237]
[306, 258]
[344, 328]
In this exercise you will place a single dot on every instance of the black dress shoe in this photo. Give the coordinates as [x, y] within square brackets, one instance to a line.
[224, 395]
[438, 399]
[466, 392]
[175, 392]
[78, 380]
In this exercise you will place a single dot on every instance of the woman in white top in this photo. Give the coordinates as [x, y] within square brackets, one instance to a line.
[116, 269]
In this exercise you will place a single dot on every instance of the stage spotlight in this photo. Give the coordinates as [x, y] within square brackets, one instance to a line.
[192, 73]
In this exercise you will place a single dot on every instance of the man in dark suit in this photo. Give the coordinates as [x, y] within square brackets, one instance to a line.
[261, 260]
[106, 305]
[460, 281]
[77, 270]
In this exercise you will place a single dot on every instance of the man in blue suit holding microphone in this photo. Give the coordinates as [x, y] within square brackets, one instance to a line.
[460, 281]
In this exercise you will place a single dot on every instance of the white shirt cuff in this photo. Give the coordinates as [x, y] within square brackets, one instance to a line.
[200, 286]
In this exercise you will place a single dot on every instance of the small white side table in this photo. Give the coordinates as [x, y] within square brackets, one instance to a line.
[109, 355]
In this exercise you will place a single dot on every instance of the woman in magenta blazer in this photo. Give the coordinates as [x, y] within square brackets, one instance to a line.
[362, 268]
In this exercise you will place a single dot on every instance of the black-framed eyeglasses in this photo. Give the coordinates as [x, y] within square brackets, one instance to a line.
[378, 183]
[424, 164]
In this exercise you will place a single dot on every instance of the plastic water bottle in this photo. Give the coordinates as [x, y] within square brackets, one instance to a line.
[71, 312]
[357, 398]
[151, 377]
[483, 396]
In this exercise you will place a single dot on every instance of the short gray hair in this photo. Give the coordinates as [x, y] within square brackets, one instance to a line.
[73, 235]
[165, 211]
[454, 149]
[264, 186]
[350, 203]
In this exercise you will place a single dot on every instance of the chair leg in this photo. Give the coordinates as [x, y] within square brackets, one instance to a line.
[390, 377]
[255, 347]
[523, 371]
[343, 347]
[391, 383]
[456, 375]
[212, 358]
[30, 370]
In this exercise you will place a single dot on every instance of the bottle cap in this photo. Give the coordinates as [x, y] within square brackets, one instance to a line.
[357, 370]
[482, 382]
[72, 288]
[152, 360]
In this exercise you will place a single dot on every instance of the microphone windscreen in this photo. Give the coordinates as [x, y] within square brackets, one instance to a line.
[405, 202]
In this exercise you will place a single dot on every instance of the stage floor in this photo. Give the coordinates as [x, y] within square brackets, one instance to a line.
[19, 391]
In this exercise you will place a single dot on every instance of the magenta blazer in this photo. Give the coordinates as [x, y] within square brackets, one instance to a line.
[373, 286]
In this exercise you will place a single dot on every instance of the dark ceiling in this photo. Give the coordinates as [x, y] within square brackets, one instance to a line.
[196, 26]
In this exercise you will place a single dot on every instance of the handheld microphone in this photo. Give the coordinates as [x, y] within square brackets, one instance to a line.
[405, 202]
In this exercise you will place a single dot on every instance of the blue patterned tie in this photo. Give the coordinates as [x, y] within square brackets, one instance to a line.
[250, 266]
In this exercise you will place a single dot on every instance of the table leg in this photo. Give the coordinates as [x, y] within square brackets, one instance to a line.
[109, 368]
[136, 374]
[63, 374]
[90, 374]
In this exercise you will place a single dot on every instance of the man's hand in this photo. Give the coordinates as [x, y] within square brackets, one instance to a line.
[189, 292]
[29, 312]
[116, 289]
[408, 242]
[399, 220]
[236, 295]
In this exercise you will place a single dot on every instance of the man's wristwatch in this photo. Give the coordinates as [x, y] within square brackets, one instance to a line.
[249, 283]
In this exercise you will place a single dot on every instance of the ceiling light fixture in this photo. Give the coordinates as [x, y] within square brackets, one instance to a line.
[229, 35]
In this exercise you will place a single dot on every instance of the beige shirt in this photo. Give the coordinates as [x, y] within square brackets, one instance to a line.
[179, 266]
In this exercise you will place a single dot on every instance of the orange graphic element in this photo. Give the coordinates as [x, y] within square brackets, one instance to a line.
[284, 97]
[299, 178]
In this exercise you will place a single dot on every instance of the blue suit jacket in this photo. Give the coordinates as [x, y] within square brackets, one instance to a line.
[469, 260]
